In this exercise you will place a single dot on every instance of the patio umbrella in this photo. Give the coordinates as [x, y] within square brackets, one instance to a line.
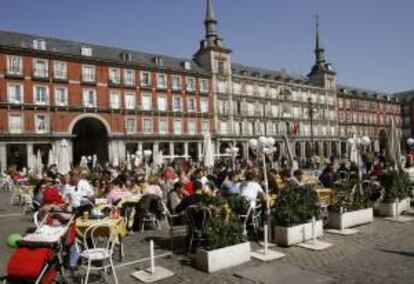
[288, 151]
[138, 159]
[50, 158]
[39, 164]
[208, 158]
[128, 161]
[394, 147]
[63, 158]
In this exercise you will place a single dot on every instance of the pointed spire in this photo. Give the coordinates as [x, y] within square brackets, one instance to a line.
[319, 50]
[210, 11]
[210, 22]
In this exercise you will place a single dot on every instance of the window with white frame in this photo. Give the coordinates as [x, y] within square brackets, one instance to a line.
[60, 70]
[191, 104]
[39, 44]
[129, 77]
[205, 127]
[41, 123]
[129, 100]
[162, 103]
[190, 86]
[147, 101]
[89, 97]
[86, 51]
[161, 81]
[114, 75]
[14, 65]
[145, 79]
[262, 91]
[176, 82]
[275, 110]
[236, 88]
[40, 95]
[223, 127]
[147, 125]
[249, 90]
[221, 87]
[15, 93]
[115, 97]
[222, 107]
[204, 105]
[162, 126]
[177, 126]
[250, 109]
[192, 128]
[203, 86]
[250, 128]
[130, 125]
[177, 103]
[88, 73]
[61, 96]
[15, 123]
[40, 68]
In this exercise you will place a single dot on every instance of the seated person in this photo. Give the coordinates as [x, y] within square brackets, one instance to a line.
[149, 203]
[251, 189]
[81, 193]
[175, 196]
[118, 190]
[296, 179]
[197, 197]
[154, 187]
[327, 177]
[231, 186]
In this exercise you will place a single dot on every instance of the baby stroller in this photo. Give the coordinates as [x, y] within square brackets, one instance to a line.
[39, 256]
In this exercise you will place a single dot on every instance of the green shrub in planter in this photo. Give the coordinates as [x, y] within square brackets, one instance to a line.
[350, 196]
[296, 205]
[396, 186]
[224, 228]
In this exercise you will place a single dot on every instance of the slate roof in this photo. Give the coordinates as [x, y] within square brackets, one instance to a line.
[100, 52]
[360, 92]
[254, 72]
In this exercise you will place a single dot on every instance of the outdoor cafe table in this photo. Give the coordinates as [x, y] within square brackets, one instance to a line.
[118, 223]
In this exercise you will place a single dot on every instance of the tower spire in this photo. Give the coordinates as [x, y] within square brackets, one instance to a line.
[210, 21]
[319, 50]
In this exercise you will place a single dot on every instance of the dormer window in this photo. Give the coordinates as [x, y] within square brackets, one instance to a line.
[126, 57]
[158, 61]
[86, 51]
[39, 44]
[187, 65]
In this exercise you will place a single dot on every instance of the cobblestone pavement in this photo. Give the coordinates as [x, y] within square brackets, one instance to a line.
[382, 252]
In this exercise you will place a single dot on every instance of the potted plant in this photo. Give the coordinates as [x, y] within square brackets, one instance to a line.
[293, 213]
[397, 193]
[352, 205]
[225, 244]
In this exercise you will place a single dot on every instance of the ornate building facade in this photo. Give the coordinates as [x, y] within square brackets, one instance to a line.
[112, 101]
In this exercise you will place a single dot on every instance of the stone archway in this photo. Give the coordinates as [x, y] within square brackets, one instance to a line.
[91, 137]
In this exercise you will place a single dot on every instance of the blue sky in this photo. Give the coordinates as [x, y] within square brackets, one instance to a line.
[369, 42]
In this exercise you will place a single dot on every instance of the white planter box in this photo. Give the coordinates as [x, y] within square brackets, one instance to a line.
[214, 260]
[390, 209]
[287, 236]
[350, 219]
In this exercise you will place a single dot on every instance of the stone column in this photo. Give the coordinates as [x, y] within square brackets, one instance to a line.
[139, 148]
[303, 149]
[282, 149]
[155, 147]
[186, 150]
[338, 149]
[217, 150]
[30, 162]
[200, 151]
[121, 151]
[320, 154]
[3, 157]
[171, 149]
[329, 147]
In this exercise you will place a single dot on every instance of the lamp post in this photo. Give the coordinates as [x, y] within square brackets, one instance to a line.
[410, 142]
[311, 113]
[359, 144]
[232, 151]
[147, 157]
[264, 146]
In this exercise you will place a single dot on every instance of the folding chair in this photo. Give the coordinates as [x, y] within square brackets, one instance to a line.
[197, 217]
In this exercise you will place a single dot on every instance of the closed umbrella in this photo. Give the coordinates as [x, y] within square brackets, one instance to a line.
[63, 158]
[128, 161]
[50, 158]
[394, 147]
[39, 164]
[288, 151]
[208, 158]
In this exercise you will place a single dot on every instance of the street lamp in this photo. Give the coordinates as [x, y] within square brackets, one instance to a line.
[264, 145]
[232, 151]
[311, 113]
[410, 142]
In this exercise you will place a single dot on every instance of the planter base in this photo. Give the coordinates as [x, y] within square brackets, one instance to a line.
[160, 273]
[400, 219]
[317, 245]
[344, 232]
[410, 212]
[269, 245]
[269, 256]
